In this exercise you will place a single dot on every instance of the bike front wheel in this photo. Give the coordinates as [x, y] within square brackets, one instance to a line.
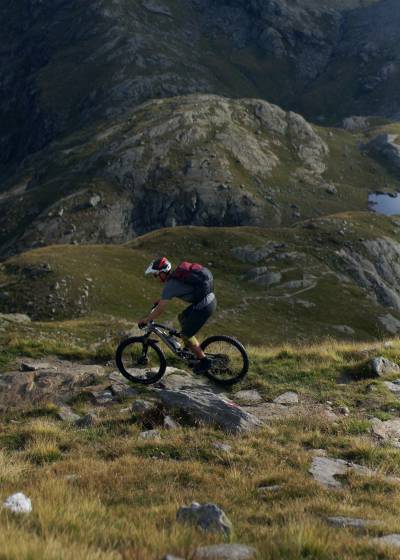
[140, 360]
[230, 362]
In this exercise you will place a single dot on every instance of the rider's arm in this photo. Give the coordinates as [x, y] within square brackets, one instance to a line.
[156, 311]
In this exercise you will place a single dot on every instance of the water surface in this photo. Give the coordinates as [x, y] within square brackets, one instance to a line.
[388, 204]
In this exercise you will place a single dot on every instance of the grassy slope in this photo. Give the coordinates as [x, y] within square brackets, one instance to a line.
[123, 495]
[113, 276]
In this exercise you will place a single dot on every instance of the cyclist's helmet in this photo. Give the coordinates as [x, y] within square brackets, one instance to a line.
[159, 265]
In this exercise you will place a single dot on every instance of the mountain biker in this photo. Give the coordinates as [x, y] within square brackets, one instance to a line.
[191, 283]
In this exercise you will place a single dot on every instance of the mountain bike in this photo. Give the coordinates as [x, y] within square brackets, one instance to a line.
[141, 360]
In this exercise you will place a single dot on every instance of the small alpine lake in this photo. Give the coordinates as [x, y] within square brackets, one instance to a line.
[384, 203]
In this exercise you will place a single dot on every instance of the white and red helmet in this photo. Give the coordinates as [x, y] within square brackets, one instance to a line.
[159, 265]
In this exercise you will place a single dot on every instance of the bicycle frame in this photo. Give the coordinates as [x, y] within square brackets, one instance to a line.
[158, 329]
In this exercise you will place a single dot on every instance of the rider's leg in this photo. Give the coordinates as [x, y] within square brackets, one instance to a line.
[191, 321]
[193, 344]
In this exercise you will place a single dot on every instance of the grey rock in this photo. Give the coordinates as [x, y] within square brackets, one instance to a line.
[394, 386]
[248, 397]
[375, 267]
[344, 410]
[390, 323]
[102, 397]
[266, 489]
[90, 419]
[388, 431]
[150, 435]
[122, 391]
[52, 380]
[18, 503]
[381, 366]
[325, 469]
[94, 200]
[250, 254]
[389, 540]
[351, 523]
[14, 318]
[171, 557]
[270, 411]
[34, 365]
[344, 329]
[287, 398]
[169, 423]
[204, 406]
[208, 517]
[67, 415]
[157, 8]
[385, 146]
[356, 123]
[225, 447]
[141, 407]
[225, 552]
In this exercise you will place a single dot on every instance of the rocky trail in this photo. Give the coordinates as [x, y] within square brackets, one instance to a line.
[84, 395]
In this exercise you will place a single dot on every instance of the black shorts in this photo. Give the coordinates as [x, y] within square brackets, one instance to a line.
[191, 319]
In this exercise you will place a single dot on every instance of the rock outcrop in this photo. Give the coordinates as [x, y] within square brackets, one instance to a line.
[199, 160]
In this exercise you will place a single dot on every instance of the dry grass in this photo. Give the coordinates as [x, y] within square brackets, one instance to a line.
[102, 493]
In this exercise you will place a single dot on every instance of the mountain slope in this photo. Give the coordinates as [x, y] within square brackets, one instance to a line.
[321, 59]
[336, 276]
[201, 160]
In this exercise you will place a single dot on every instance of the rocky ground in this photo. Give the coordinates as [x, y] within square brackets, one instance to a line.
[312, 445]
[196, 160]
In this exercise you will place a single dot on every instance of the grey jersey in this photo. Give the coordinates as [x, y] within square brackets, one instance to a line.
[176, 289]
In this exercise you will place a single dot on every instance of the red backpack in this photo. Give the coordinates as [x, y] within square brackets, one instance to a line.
[197, 276]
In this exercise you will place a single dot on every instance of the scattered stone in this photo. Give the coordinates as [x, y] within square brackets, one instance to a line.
[169, 423]
[18, 503]
[156, 8]
[388, 431]
[222, 446]
[94, 200]
[319, 453]
[90, 419]
[390, 323]
[391, 540]
[393, 386]
[344, 410]
[268, 411]
[102, 397]
[355, 123]
[224, 552]
[15, 318]
[208, 517]
[122, 391]
[381, 366]
[248, 397]
[350, 523]
[150, 434]
[344, 329]
[331, 189]
[34, 365]
[171, 557]
[67, 415]
[288, 398]
[273, 488]
[325, 469]
[140, 407]
[386, 147]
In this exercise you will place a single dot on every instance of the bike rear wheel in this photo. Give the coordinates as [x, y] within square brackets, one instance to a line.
[230, 362]
[140, 360]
